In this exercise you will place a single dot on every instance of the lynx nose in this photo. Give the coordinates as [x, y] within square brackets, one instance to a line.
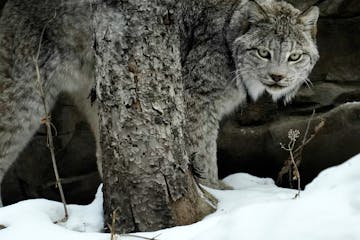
[276, 77]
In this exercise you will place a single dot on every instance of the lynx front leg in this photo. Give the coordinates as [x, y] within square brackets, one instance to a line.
[208, 90]
[201, 134]
[203, 160]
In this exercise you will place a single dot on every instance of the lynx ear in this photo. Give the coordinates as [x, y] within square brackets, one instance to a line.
[308, 19]
[256, 13]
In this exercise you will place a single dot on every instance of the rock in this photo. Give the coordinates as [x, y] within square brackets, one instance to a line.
[330, 8]
[339, 47]
[256, 149]
[340, 8]
[302, 5]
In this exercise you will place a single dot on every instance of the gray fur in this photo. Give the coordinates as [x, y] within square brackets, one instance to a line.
[66, 64]
[212, 91]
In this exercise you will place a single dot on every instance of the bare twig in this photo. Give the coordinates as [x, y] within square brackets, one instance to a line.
[113, 222]
[293, 136]
[71, 179]
[137, 236]
[308, 127]
[46, 120]
[113, 235]
[293, 162]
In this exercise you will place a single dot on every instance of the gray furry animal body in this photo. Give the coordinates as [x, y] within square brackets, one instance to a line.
[66, 63]
[263, 46]
[241, 48]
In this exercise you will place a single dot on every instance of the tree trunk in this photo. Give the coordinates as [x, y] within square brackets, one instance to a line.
[145, 166]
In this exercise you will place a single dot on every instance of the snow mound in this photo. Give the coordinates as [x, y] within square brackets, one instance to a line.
[347, 173]
[328, 208]
[34, 220]
[243, 180]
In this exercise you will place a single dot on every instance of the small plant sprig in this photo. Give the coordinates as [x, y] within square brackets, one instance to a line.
[293, 161]
[293, 135]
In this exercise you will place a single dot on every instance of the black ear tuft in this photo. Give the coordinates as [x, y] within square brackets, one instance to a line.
[256, 12]
[308, 19]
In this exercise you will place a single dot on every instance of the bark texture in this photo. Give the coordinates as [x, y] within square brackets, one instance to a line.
[145, 166]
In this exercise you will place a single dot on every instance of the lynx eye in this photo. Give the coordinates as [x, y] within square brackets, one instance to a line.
[294, 57]
[263, 53]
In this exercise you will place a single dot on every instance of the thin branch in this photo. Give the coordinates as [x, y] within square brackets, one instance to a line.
[297, 173]
[71, 179]
[137, 236]
[113, 235]
[113, 223]
[294, 160]
[46, 120]
[308, 127]
[293, 136]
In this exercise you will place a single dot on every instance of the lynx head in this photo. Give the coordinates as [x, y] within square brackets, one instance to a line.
[277, 49]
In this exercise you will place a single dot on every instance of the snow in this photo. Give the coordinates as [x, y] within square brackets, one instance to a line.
[328, 208]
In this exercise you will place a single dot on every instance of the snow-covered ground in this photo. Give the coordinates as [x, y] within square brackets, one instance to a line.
[328, 208]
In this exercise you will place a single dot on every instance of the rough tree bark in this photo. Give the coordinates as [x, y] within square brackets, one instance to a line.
[145, 166]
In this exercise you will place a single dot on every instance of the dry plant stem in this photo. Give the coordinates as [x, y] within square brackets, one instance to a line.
[141, 237]
[113, 235]
[298, 151]
[290, 149]
[297, 173]
[112, 227]
[47, 121]
[70, 179]
[307, 128]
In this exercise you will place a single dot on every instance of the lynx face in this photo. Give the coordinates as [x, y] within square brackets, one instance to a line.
[278, 51]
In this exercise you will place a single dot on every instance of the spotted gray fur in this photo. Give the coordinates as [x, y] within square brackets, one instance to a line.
[66, 63]
[263, 47]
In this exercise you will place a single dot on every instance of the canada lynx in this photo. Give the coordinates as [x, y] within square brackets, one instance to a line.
[272, 47]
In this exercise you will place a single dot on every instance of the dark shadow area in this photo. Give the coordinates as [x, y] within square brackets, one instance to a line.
[255, 149]
[32, 175]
